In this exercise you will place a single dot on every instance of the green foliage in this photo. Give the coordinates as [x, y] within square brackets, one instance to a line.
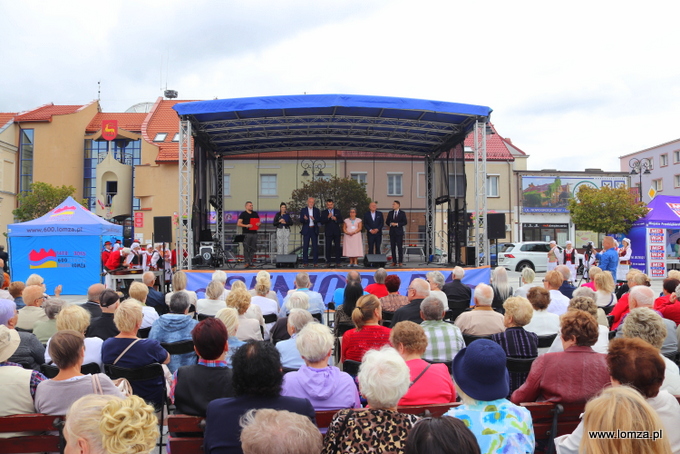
[605, 210]
[42, 198]
[345, 192]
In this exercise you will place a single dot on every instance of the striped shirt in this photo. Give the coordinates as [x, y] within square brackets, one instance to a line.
[444, 340]
[517, 343]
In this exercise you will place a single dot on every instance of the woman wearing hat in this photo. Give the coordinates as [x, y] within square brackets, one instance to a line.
[625, 251]
[482, 382]
[570, 259]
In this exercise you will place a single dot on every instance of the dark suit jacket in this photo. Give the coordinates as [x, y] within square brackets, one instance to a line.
[222, 430]
[330, 225]
[370, 224]
[400, 219]
[409, 312]
[567, 289]
[305, 222]
[156, 300]
[93, 308]
[458, 295]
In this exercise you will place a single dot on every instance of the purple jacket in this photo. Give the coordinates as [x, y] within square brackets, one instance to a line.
[327, 388]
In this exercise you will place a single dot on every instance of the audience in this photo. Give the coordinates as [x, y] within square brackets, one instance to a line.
[229, 317]
[647, 325]
[574, 375]
[587, 305]
[592, 272]
[263, 278]
[482, 320]
[44, 329]
[290, 356]
[543, 323]
[104, 327]
[16, 290]
[107, 424]
[670, 309]
[30, 353]
[515, 340]
[445, 435]
[139, 292]
[257, 380]
[383, 380]
[343, 313]
[339, 293]
[92, 304]
[267, 305]
[501, 288]
[266, 431]
[212, 302]
[297, 300]
[430, 383]
[378, 288]
[77, 319]
[604, 290]
[416, 293]
[482, 383]
[324, 385]
[55, 396]
[154, 298]
[590, 294]
[196, 385]
[368, 334]
[393, 300]
[558, 302]
[221, 277]
[436, 281]
[527, 277]
[34, 297]
[635, 363]
[175, 327]
[458, 294]
[303, 284]
[566, 289]
[179, 284]
[444, 340]
[633, 277]
[248, 327]
[127, 350]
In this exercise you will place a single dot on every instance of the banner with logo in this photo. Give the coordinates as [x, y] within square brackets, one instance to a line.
[656, 252]
[551, 194]
[325, 282]
[72, 261]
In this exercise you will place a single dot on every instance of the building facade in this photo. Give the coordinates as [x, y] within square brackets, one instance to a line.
[655, 170]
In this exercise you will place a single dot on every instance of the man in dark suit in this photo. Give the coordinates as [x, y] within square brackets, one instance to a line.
[155, 298]
[417, 291]
[396, 220]
[331, 219]
[457, 293]
[310, 216]
[374, 223]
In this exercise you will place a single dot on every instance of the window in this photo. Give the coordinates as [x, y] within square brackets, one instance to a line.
[175, 138]
[651, 163]
[492, 185]
[268, 185]
[25, 160]
[160, 137]
[127, 152]
[359, 177]
[677, 181]
[676, 156]
[394, 184]
[226, 185]
[658, 185]
[663, 160]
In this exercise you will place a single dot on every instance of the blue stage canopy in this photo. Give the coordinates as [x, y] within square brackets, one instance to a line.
[344, 122]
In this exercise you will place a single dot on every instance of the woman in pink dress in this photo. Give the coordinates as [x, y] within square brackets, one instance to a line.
[353, 245]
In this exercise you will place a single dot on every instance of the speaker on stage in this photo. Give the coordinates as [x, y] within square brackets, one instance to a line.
[495, 223]
[286, 261]
[162, 229]
[375, 260]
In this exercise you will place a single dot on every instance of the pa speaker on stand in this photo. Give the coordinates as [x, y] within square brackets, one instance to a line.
[286, 261]
[375, 260]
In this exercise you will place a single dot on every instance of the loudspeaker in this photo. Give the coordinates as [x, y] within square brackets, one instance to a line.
[375, 260]
[162, 229]
[286, 261]
[495, 225]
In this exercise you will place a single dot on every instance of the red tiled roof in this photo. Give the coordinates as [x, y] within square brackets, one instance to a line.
[163, 119]
[45, 113]
[128, 121]
[5, 117]
[496, 147]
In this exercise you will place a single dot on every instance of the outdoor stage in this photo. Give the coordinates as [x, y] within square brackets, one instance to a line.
[327, 280]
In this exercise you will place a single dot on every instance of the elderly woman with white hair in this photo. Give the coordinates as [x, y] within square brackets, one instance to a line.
[44, 329]
[179, 284]
[261, 298]
[436, 281]
[383, 379]
[229, 317]
[221, 277]
[528, 276]
[212, 301]
[290, 356]
[324, 385]
[501, 288]
[296, 300]
[264, 278]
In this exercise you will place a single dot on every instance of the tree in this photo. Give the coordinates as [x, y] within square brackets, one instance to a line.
[605, 210]
[42, 198]
[345, 192]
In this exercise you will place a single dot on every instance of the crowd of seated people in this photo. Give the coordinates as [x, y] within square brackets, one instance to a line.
[242, 383]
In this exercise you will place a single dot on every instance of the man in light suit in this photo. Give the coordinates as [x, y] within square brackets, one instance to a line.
[310, 217]
[331, 219]
[396, 220]
[374, 223]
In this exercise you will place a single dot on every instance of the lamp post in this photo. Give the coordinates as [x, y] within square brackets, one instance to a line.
[640, 167]
[313, 165]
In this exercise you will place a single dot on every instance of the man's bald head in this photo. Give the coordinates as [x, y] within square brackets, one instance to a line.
[641, 296]
[148, 278]
[421, 289]
[94, 291]
[353, 276]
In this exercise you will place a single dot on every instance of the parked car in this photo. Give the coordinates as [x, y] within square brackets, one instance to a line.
[517, 256]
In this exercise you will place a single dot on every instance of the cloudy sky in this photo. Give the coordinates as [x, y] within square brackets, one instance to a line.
[573, 84]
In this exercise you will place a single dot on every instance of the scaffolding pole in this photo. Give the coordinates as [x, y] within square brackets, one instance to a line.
[430, 207]
[219, 199]
[481, 233]
[185, 240]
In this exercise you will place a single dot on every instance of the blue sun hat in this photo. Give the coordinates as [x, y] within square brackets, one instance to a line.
[479, 371]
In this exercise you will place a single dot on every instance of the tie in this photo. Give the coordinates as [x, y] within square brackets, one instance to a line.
[396, 213]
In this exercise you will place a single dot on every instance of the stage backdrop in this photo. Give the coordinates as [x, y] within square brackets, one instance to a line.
[325, 282]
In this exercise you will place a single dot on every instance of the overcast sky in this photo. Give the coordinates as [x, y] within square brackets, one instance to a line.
[573, 84]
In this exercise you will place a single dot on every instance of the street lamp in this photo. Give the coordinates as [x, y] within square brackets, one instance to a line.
[313, 165]
[640, 167]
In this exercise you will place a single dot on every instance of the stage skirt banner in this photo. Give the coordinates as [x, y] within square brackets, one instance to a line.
[72, 261]
[656, 252]
[326, 282]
